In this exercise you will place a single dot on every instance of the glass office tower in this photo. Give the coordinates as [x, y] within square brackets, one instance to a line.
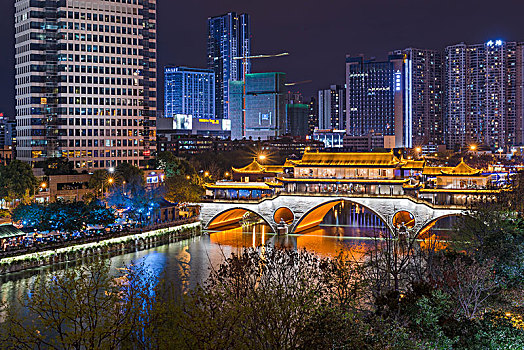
[265, 115]
[189, 91]
[375, 98]
[229, 36]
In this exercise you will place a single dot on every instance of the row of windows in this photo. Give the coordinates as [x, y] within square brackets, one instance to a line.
[102, 18]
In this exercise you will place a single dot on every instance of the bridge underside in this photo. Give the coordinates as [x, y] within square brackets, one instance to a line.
[305, 212]
[227, 218]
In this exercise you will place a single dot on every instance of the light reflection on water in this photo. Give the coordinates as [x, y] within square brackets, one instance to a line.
[188, 262]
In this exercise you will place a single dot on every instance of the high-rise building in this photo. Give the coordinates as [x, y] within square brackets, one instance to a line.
[332, 108]
[7, 131]
[375, 95]
[189, 91]
[313, 116]
[229, 37]
[86, 81]
[297, 119]
[424, 90]
[265, 115]
[484, 94]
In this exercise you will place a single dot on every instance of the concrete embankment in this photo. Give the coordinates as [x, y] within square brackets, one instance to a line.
[106, 248]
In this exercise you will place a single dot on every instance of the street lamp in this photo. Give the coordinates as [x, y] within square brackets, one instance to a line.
[43, 185]
[262, 157]
[111, 170]
[473, 148]
[206, 174]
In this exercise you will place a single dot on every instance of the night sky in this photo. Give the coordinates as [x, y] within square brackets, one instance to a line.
[317, 34]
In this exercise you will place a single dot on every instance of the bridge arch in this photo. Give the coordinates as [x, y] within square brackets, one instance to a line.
[429, 225]
[314, 216]
[284, 213]
[231, 216]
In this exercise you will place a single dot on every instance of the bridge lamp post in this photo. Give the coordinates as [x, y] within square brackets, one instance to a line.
[262, 157]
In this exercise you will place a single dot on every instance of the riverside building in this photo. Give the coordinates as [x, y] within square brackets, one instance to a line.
[86, 81]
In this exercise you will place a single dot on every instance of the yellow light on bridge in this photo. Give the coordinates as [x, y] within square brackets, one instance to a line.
[110, 180]
[206, 174]
[473, 147]
[262, 157]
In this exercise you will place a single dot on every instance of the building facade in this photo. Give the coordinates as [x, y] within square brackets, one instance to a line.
[229, 37]
[424, 90]
[7, 131]
[332, 108]
[265, 115]
[313, 116]
[484, 94]
[375, 95]
[297, 119]
[86, 81]
[189, 91]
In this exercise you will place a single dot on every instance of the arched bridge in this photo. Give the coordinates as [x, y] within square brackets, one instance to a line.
[302, 212]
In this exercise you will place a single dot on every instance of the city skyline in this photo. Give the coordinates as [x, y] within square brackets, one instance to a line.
[378, 33]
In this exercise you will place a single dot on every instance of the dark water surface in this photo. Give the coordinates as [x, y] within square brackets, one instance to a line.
[188, 262]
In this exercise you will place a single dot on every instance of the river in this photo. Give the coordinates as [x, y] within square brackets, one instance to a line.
[188, 262]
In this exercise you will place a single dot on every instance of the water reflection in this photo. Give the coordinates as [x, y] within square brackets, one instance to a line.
[185, 264]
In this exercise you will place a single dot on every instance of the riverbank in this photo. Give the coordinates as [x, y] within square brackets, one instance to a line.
[107, 248]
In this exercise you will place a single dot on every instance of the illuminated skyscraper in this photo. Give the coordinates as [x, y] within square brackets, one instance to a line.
[229, 36]
[86, 81]
[332, 108]
[424, 90]
[484, 94]
[189, 91]
[376, 99]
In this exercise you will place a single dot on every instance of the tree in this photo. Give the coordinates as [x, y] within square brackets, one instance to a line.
[174, 166]
[129, 173]
[180, 189]
[84, 307]
[17, 181]
[31, 215]
[98, 214]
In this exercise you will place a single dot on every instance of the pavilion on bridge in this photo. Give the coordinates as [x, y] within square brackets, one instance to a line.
[354, 173]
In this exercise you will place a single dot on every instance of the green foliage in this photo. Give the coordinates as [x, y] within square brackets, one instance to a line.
[30, 215]
[80, 308]
[174, 166]
[180, 189]
[64, 217]
[17, 181]
[130, 174]
[496, 235]
[98, 180]
[260, 299]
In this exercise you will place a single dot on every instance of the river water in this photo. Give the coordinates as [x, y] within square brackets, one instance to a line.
[188, 262]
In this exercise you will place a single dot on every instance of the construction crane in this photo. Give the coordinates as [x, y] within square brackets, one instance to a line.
[244, 60]
[299, 83]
